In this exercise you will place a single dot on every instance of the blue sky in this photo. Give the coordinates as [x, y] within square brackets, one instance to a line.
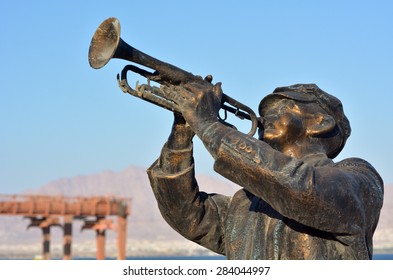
[61, 118]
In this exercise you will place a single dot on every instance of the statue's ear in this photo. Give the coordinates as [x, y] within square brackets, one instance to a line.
[320, 124]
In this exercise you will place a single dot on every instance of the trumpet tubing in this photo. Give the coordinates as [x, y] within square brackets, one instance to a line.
[107, 44]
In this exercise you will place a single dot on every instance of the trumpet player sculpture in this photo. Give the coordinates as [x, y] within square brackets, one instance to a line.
[295, 201]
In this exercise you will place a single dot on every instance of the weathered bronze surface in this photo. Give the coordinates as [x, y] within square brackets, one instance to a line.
[296, 202]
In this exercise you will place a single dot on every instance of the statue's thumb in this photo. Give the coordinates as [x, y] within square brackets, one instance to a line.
[217, 90]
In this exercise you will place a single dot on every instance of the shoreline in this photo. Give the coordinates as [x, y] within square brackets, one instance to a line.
[136, 249]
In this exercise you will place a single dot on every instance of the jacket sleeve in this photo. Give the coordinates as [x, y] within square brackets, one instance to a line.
[334, 198]
[196, 215]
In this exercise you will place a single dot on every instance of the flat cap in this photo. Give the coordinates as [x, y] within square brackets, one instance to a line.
[311, 93]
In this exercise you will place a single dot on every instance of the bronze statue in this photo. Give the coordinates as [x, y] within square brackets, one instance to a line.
[296, 202]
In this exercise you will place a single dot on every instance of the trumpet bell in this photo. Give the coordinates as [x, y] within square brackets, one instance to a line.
[104, 43]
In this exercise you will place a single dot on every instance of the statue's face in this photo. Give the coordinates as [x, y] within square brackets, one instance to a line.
[284, 123]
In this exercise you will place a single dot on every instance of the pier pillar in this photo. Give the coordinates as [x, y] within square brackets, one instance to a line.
[44, 223]
[46, 243]
[121, 237]
[67, 238]
[100, 243]
[100, 225]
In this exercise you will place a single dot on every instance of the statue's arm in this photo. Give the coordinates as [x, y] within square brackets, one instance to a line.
[195, 215]
[330, 198]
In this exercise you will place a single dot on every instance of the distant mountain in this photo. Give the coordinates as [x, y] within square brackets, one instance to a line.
[145, 223]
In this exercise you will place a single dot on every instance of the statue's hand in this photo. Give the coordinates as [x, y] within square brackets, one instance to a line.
[199, 103]
[181, 134]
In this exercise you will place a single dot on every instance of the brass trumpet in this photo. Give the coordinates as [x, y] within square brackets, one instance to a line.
[106, 44]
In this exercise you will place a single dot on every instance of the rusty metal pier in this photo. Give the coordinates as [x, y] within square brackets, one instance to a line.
[47, 211]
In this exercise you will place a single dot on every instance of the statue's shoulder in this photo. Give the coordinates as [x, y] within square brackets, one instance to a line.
[362, 167]
[354, 162]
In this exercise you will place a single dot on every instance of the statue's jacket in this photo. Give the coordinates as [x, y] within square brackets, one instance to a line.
[288, 208]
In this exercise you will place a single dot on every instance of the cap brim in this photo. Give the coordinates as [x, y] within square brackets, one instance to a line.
[293, 95]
